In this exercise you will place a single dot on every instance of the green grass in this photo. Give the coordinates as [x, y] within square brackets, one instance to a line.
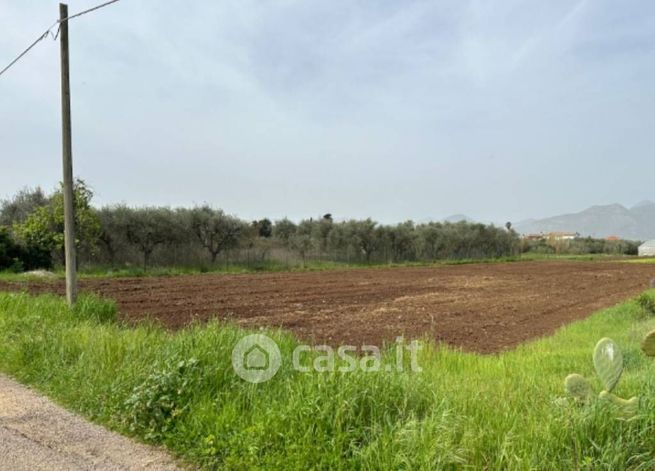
[276, 266]
[464, 410]
[642, 260]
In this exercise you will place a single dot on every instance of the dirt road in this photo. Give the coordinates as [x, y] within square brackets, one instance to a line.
[482, 307]
[36, 434]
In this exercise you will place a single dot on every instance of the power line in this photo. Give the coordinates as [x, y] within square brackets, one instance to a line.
[98, 7]
[49, 32]
[20, 56]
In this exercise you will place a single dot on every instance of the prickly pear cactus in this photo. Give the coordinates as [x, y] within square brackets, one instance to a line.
[578, 387]
[648, 344]
[608, 362]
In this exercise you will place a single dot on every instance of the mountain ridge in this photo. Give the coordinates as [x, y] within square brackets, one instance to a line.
[635, 223]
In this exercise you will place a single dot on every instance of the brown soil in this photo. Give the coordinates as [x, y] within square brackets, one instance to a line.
[483, 307]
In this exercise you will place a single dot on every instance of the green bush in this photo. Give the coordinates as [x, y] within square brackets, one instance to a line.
[16, 258]
[10, 253]
[157, 404]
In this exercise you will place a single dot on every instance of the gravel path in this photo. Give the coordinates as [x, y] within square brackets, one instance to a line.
[36, 434]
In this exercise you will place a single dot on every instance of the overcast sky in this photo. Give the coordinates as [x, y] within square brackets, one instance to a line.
[501, 110]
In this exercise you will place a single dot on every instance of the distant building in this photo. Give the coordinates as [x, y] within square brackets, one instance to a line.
[647, 249]
[534, 236]
[612, 238]
[562, 235]
[552, 236]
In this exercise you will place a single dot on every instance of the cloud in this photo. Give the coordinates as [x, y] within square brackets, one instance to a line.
[387, 109]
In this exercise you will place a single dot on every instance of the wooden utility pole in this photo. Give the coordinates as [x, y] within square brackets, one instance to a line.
[67, 154]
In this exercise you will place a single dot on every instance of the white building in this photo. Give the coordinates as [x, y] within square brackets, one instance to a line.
[562, 235]
[647, 249]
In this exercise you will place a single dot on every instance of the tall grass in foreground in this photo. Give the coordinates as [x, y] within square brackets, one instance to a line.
[463, 410]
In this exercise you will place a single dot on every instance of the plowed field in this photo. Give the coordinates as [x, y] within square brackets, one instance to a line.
[483, 307]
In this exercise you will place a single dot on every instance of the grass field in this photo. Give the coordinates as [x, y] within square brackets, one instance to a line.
[271, 267]
[463, 410]
[642, 260]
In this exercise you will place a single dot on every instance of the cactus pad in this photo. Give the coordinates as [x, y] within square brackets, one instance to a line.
[648, 344]
[608, 362]
[627, 407]
[577, 387]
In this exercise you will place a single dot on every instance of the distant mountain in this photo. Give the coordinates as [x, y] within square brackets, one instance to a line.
[525, 222]
[637, 223]
[642, 203]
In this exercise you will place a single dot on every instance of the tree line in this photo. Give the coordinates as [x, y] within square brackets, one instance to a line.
[31, 236]
[581, 246]
[32, 228]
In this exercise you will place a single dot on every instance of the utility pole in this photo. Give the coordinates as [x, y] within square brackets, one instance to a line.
[67, 154]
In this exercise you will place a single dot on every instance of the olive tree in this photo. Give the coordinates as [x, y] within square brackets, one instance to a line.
[303, 241]
[113, 234]
[283, 230]
[216, 230]
[365, 236]
[322, 229]
[25, 202]
[149, 228]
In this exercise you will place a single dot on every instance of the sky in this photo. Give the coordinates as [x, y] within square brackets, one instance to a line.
[500, 110]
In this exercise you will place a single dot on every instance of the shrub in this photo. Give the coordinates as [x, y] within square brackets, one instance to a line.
[10, 253]
[155, 405]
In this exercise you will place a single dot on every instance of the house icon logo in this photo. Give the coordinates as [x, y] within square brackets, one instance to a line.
[256, 358]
